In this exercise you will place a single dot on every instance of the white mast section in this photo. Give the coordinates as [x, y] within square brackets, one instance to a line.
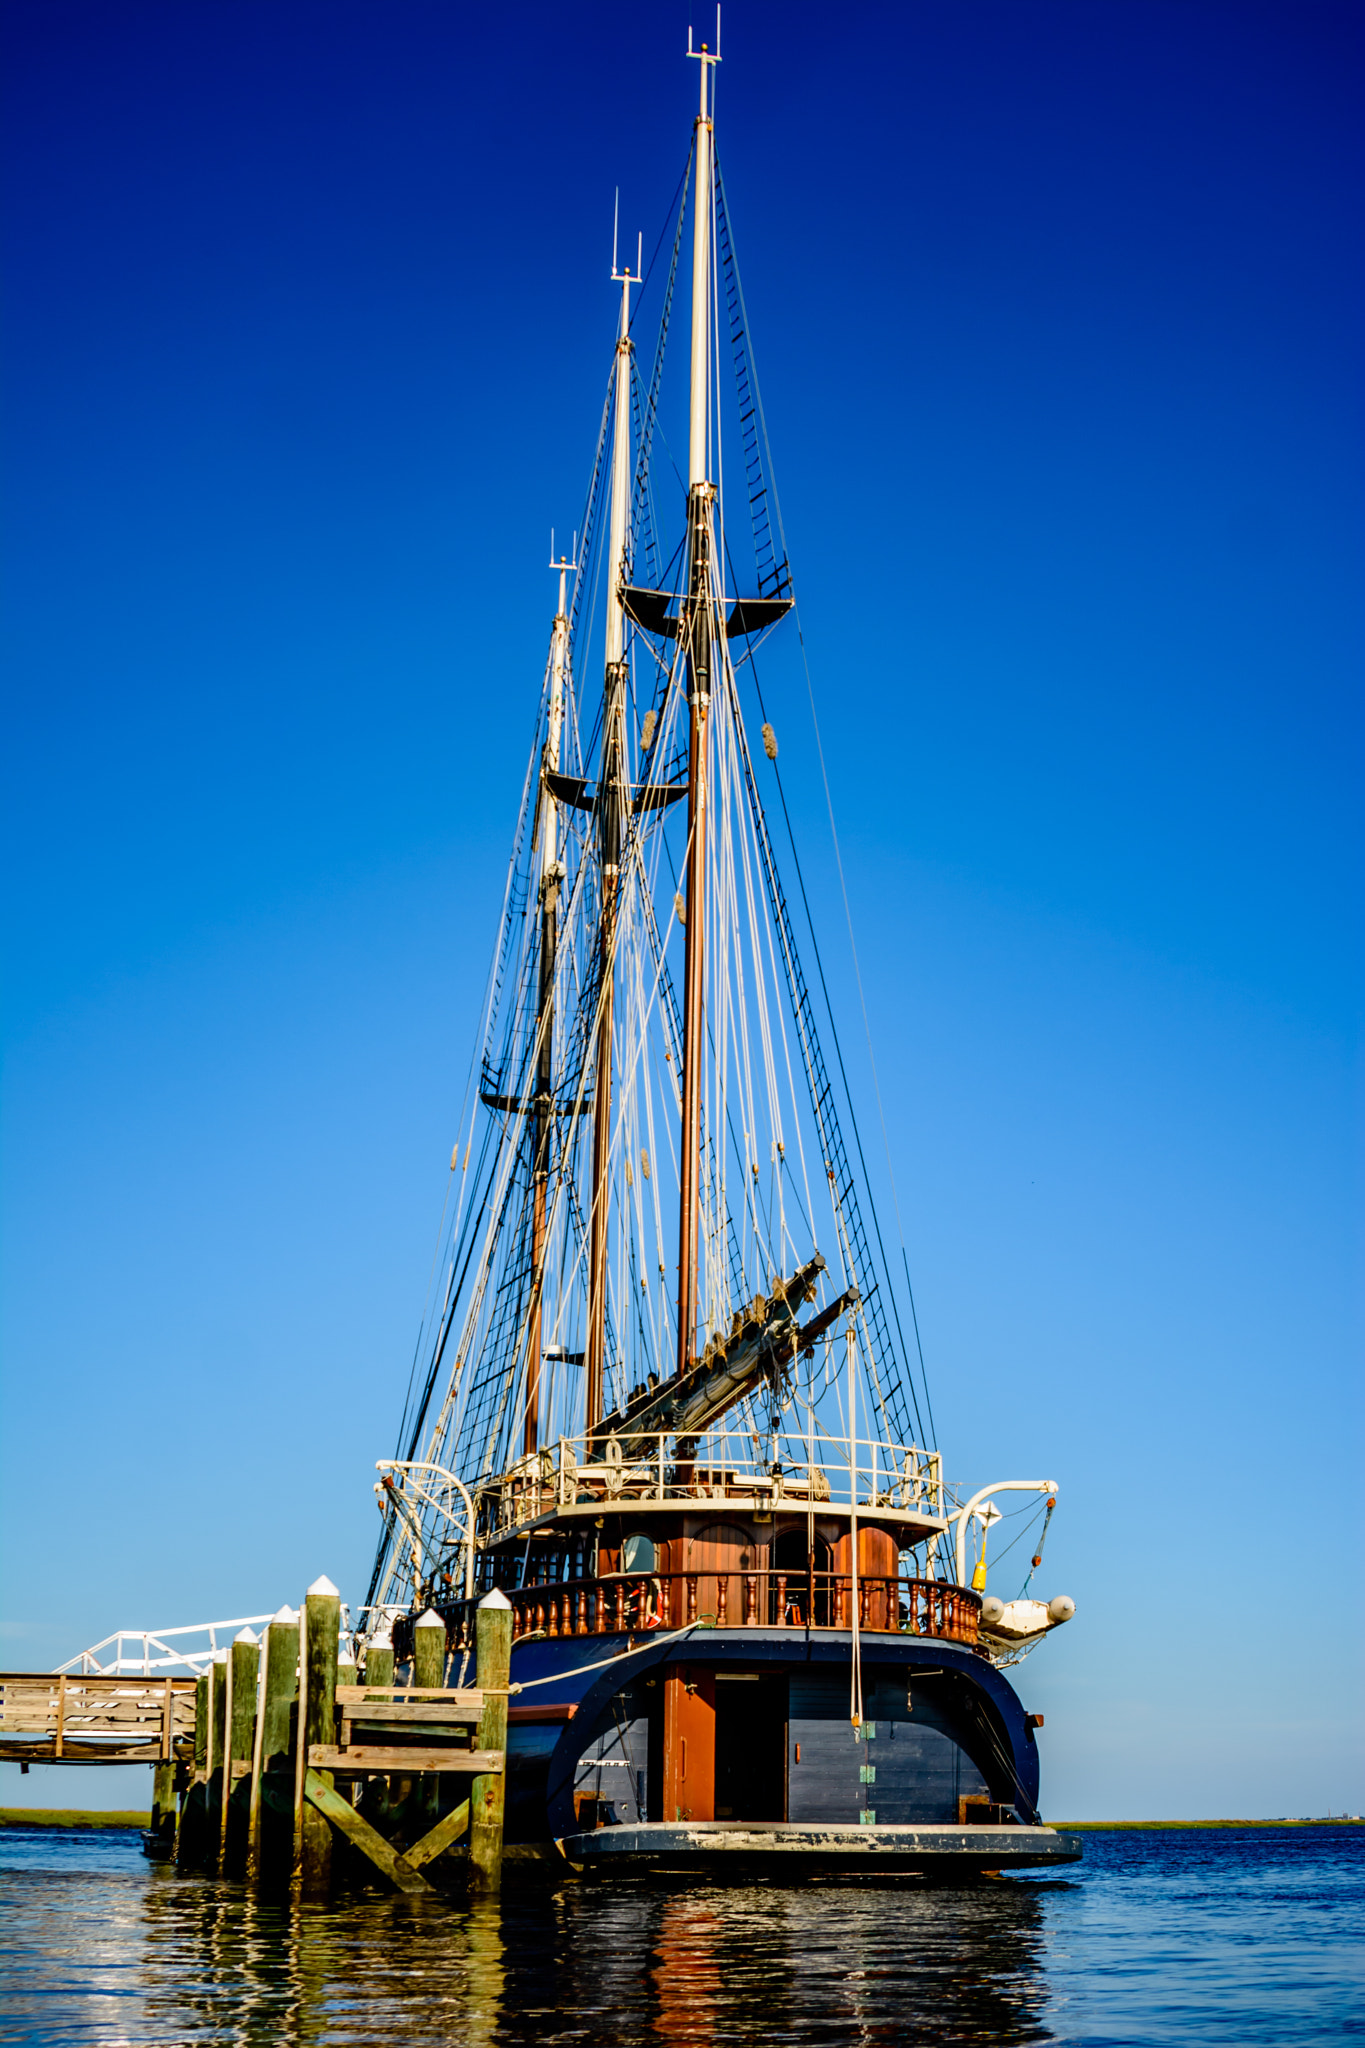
[612, 801]
[620, 478]
[559, 668]
[699, 419]
[694, 640]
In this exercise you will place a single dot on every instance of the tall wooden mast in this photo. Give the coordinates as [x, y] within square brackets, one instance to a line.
[613, 799]
[551, 875]
[695, 629]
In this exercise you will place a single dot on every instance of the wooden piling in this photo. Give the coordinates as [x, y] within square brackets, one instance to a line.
[428, 1669]
[215, 1793]
[190, 1834]
[201, 1721]
[429, 1650]
[244, 1659]
[487, 1794]
[269, 1847]
[379, 1664]
[317, 1723]
[163, 1803]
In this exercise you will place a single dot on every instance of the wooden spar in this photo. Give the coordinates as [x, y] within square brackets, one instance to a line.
[487, 1795]
[550, 872]
[610, 846]
[698, 641]
[611, 804]
[270, 1752]
[695, 630]
[317, 1723]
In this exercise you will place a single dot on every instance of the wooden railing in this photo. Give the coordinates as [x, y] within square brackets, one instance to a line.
[628, 1602]
[64, 1718]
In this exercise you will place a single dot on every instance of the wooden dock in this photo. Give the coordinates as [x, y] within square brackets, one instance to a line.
[282, 1764]
[58, 1718]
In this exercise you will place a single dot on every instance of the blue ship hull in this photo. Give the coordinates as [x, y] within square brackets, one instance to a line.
[943, 1738]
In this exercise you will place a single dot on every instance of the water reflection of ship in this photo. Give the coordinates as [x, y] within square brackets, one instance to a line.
[664, 1398]
[630, 1964]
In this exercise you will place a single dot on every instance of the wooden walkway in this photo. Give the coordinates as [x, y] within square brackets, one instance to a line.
[61, 1718]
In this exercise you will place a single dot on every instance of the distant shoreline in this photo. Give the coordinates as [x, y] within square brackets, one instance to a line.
[71, 1817]
[1335, 1820]
[74, 1817]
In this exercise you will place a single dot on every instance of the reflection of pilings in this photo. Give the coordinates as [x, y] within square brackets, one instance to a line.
[486, 1973]
[898, 1961]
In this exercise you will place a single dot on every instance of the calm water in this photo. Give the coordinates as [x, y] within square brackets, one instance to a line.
[1191, 1937]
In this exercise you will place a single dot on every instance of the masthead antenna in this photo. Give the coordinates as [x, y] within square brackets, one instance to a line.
[708, 57]
[627, 277]
[567, 562]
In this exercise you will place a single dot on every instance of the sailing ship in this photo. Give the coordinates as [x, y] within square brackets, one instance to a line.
[663, 1402]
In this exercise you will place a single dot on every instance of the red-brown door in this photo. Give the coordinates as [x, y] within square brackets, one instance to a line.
[689, 1743]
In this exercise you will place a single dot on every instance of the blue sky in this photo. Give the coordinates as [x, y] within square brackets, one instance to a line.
[1058, 316]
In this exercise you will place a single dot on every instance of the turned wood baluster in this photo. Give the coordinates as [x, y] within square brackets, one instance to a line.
[750, 1599]
[581, 1618]
[691, 1597]
[620, 1607]
[722, 1597]
[782, 1599]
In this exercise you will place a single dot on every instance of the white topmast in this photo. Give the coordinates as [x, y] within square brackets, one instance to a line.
[613, 800]
[551, 875]
[694, 634]
[699, 415]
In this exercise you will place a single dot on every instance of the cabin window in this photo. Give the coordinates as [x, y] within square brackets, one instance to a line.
[637, 1553]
